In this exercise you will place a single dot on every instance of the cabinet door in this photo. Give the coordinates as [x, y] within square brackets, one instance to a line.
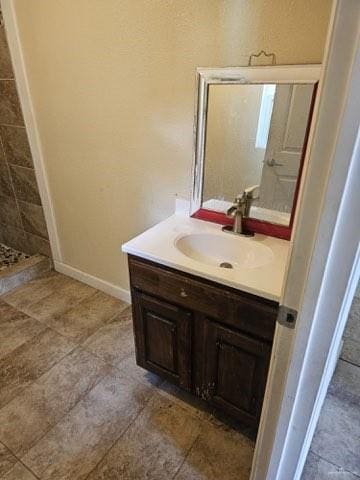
[235, 372]
[163, 338]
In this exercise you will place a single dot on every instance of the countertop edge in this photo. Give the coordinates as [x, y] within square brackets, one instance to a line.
[242, 288]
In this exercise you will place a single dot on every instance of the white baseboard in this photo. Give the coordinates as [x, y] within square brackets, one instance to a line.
[95, 282]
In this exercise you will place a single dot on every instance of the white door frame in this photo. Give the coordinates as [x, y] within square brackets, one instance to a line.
[325, 262]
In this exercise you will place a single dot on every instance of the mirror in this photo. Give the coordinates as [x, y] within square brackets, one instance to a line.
[251, 133]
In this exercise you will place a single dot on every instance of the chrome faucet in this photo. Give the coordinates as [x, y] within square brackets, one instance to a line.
[240, 210]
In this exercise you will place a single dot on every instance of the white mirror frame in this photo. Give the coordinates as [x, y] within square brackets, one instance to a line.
[234, 75]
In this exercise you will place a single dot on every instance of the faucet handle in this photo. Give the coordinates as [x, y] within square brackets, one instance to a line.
[252, 192]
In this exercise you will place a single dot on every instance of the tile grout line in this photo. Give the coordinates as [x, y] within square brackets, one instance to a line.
[14, 125]
[343, 470]
[349, 362]
[18, 461]
[81, 397]
[46, 371]
[44, 298]
[78, 346]
[186, 456]
[122, 433]
[46, 327]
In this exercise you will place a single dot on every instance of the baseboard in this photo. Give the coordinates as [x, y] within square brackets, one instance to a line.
[95, 282]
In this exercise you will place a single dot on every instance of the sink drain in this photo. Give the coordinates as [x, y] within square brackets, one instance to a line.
[225, 265]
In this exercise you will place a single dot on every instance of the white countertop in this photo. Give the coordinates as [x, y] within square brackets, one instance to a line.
[158, 244]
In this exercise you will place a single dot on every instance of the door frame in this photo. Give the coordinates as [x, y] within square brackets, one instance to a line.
[324, 266]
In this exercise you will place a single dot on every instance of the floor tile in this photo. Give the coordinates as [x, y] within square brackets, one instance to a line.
[128, 367]
[113, 342]
[186, 400]
[317, 468]
[27, 362]
[154, 446]
[352, 329]
[16, 331]
[80, 440]
[39, 407]
[218, 453]
[7, 312]
[337, 435]
[87, 316]
[351, 351]
[7, 460]
[19, 472]
[59, 301]
[76, 412]
[345, 383]
[37, 289]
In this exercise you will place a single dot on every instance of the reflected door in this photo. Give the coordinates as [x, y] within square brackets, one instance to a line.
[284, 147]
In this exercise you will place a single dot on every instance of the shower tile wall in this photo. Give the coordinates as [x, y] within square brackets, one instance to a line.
[22, 222]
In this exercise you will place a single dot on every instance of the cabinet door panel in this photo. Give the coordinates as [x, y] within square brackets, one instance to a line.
[235, 372]
[160, 341]
[163, 338]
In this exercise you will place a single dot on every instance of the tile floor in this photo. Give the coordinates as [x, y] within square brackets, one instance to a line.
[73, 404]
[335, 449]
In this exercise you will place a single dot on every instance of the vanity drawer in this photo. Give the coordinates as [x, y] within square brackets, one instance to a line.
[247, 313]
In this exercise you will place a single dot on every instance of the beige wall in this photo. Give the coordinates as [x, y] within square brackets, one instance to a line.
[112, 84]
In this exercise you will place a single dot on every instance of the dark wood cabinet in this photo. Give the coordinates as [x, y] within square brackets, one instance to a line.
[204, 337]
[235, 372]
[163, 338]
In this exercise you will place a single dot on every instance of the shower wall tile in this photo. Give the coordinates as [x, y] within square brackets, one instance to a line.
[5, 179]
[16, 146]
[33, 219]
[15, 237]
[5, 60]
[22, 222]
[25, 185]
[10, 110]
[35, 244]
[9, 213]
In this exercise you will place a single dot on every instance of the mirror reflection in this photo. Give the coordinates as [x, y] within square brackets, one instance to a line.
[255, 139]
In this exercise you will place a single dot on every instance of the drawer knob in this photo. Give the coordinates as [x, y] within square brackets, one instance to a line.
[183, 294]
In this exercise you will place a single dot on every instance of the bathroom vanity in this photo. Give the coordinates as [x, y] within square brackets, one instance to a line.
[209, 339]
[205, 296]
[207, 329]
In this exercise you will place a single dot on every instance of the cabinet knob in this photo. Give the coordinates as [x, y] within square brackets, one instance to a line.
[183, 293]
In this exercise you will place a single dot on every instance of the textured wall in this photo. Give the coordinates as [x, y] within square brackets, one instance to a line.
[112, 83]
[22, 223]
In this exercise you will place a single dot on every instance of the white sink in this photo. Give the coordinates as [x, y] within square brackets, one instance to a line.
[225, 250]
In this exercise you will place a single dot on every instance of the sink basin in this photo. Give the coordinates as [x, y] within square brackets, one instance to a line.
[225, 250]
